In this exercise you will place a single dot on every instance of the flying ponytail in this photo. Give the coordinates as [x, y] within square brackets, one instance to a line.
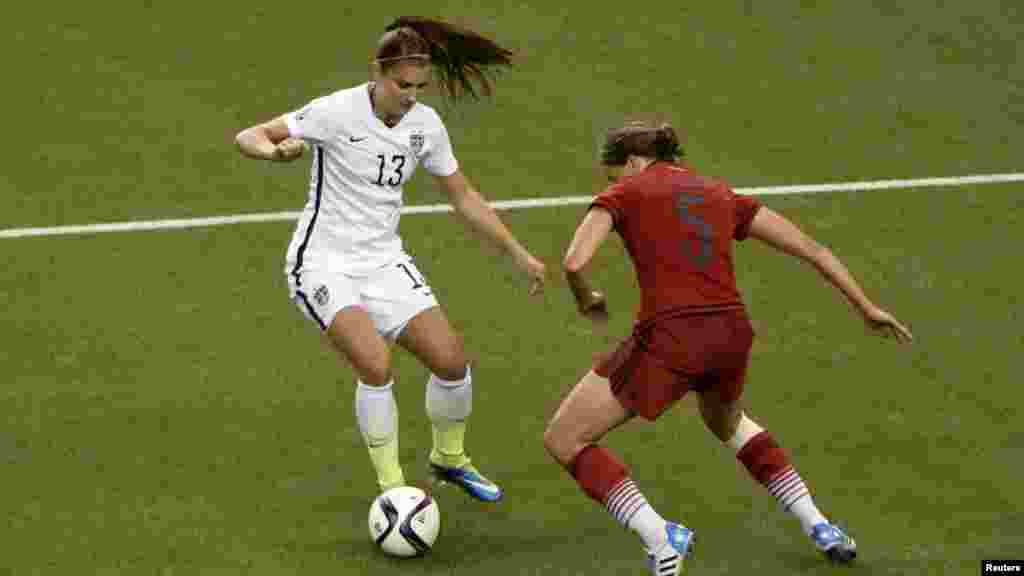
[466, 62]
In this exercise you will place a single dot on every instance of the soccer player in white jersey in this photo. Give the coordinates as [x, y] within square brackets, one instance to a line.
[346, 266]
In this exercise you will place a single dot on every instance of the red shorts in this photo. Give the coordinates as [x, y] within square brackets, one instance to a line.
[664, 359]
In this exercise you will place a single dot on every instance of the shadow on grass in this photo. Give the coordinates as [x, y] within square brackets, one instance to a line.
[809, 562]
[503, 553]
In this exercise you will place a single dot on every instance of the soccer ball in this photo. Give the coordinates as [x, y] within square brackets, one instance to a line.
[404, 521]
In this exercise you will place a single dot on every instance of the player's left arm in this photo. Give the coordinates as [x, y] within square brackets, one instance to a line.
[590, 234]
[475, 211]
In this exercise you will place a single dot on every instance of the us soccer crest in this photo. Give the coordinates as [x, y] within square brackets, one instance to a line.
[321, 295]
[416, 142]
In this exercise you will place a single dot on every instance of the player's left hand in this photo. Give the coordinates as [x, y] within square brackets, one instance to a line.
[883, 323]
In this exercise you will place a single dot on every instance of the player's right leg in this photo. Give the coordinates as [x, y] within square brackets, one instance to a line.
[589, 412]
[355, 335]
[332, 301]
[769, 465]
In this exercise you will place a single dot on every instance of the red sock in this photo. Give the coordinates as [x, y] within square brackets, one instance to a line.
[597, 471]
[763, 458]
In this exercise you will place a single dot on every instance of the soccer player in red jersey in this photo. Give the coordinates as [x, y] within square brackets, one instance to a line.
[692, 333]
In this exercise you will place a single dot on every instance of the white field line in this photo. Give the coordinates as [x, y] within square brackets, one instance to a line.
[507, 205]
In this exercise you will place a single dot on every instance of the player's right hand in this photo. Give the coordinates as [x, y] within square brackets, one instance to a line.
[289, 149]
[595, 307]
[536, 270]
[881, 322]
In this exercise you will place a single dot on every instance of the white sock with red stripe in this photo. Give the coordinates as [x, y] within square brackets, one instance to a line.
[770, 466]
[630, 508]
[789, 489]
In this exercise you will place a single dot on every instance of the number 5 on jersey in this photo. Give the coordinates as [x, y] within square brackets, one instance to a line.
[394, 172]
[705, 232]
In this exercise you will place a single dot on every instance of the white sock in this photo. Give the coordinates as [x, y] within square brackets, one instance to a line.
[807, 513]
[789, 489]
[449, 403]
[449, 400]
[631, 509]
[377, 414]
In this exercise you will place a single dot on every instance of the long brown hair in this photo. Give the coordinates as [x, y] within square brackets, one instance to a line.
[641, 138]
[465, 62]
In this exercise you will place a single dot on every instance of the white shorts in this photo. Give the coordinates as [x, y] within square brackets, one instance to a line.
[392, 295]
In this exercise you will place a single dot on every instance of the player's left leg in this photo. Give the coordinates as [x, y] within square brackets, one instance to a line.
[449, 400]
[770, 466]
[586, 415]
[404, 307]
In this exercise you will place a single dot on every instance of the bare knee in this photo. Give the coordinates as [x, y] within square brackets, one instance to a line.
[370, 371]
[353, 335]
[561, 445]
[452, 372]
[374, 369]
[451, 363]
[375, 375]
[555, 446]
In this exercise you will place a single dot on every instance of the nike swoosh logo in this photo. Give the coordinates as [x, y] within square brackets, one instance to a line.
[353, 139]
[493, 490]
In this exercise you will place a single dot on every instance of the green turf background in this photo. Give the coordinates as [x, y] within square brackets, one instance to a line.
[166, 410]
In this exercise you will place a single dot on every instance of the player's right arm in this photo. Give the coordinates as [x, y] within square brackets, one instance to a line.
[778, 232]
[270, 141]
[589, 236]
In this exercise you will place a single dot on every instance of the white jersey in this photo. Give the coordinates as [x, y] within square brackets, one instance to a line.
[350, 222]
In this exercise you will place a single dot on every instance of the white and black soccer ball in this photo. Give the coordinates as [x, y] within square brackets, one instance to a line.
[404, 521]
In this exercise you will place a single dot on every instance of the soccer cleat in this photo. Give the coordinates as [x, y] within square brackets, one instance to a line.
[668, 560]
[467, 477]
[834, 543]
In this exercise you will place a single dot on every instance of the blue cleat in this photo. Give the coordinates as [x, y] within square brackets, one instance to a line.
[668, 560]
[469, 479]
[831, 541]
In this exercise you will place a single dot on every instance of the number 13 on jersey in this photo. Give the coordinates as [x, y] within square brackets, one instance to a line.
[393, 172]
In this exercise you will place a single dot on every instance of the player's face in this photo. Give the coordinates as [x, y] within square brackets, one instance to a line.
[401, 86]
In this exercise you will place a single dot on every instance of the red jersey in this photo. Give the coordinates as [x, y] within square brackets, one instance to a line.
[679, 228]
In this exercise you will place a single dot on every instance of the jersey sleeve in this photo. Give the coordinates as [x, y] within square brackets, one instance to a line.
[613, 199]
[311, 123]
[440, 159]
[746, 208]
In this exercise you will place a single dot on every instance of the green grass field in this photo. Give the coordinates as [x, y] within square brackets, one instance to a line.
[166, 410]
